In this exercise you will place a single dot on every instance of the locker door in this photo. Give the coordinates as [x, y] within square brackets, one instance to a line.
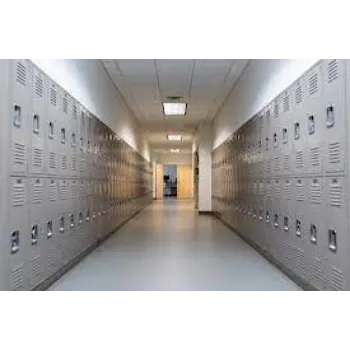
[37, 131]
[334, 115]
[20, 115]
[54, 259]
[65, 134]
[73, 137]
[18, 233]
[315, 120]
[52, 128]
[63, 213]
[37, 224]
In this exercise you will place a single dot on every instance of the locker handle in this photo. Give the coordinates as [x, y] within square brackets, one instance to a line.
[35, 234]
[49, 231]
[296, 131]
[286, 224]
[311, 124]
[62, 224]
[332, 240]
[51, 130]
[36, 124]
[330, 116]
[17, 117]
[298, 228]
[15, 242]
[313, 233]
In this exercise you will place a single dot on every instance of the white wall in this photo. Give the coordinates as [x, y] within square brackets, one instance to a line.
[178, 159]
[203, 143]
[260, 82]
[89, 83]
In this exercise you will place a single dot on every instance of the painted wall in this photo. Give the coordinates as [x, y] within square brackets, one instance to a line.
[88, 81]
[173, 158]
[260, 82]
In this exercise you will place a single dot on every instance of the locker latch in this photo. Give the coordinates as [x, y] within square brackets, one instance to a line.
[72, 221]
[284, 135]
[276, 220]
[88, 215]
[17, 116]
[311, 124]
[49, 230]
[36, 124]
[14, 242]
[80, 218]
[330, 116]
[332, 240]
[35, 234]
[313, 233]
[298, 228]
[62, 224]
[275, 140]
[73, 141]
[285, 224]
[51, 130]
[296, 131]
[63, 135]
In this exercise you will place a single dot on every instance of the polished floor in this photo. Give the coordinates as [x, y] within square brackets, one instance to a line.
[169, 247]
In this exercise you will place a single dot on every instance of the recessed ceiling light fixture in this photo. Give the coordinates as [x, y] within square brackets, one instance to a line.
[174, 108]
[175, 150]
[173, 137]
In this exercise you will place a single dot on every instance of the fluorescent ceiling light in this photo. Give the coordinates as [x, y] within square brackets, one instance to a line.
[174, 108]
[174, 137]
[177, 150]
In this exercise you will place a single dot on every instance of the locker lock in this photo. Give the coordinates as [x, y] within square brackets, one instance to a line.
[36, 124]
[267, 216]
[80, 218]
[51, 130]
[14, 242]
[88, 216]
[311, 124]
[35, 234]
[296, 131]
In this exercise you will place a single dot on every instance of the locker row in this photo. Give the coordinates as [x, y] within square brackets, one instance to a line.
[69, 179]
[289, 197]
[301, 132]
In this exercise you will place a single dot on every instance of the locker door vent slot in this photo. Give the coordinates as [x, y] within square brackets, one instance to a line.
[18, 194]
[332, 70]
[39, 86]
[337, 281]
[37, 193]
[299, 159]
[35, 267]
[64, 162]
[74, 110]
[64, 191]
[298, 95]
[334, 152]
[332, 240]
[315, 156]
[19, 154]
[17, 278]
[315, 192]
[275, 110]
[316, 269]
[286, 103]
[286, 162]
[35, 235]
[37, 158]
[65, 105]
[313, 84]
[53, 96]
[52, 160]
[288, 190]
[21, 73]
[335, 194]
[14, 242]
[300, 258]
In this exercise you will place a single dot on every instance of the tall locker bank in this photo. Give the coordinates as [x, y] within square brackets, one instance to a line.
[60, 170]
[281, 180]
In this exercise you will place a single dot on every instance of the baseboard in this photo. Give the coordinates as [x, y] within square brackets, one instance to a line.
[204, 212]
[304, 285]
[43, 286]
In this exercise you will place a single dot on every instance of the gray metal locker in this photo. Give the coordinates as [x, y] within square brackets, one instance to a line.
[37, 224]
[37, 130]
[53, 133]
[18, 233]
[20, 115]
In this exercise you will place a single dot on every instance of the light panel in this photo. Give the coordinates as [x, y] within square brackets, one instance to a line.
[174, 137]
[175, 150]
[175, 108]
